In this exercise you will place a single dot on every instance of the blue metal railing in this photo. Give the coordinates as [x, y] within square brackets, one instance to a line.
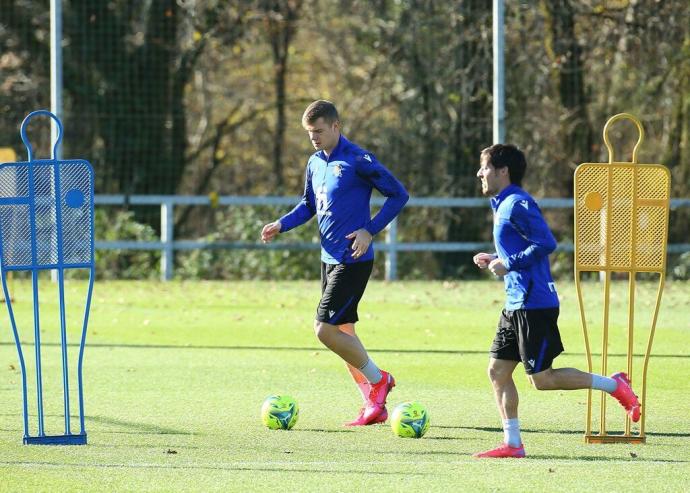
[168, 245]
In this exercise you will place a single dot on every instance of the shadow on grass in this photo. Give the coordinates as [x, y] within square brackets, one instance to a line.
[134, 427]
[476, 428]
[150, 446]
[447, 438]
[320, 430]
[603, 459]
[588, 458]
[558, 432]
[317, 348]
[677, 435]
[424, 452]
[215, 468]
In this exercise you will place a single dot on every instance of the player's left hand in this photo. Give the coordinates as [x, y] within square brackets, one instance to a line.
[362, 240]
[497, 268]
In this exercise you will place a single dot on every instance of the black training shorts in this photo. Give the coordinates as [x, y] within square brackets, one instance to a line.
[342, 286]
[530, 336]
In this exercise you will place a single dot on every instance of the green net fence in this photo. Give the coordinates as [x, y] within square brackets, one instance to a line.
[201, 96]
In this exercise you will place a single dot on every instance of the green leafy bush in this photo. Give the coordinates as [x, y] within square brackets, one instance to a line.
[681, 268]
[120, 225]
[243, 224]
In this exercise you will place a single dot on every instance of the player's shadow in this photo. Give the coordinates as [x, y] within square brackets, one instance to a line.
[427, 437]
[492, 429]
[320, 430]
[658, 434]
[425, 452]
[597, 458]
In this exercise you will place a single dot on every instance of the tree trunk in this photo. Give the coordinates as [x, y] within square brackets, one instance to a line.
[281, 20]
[470, 132]
[568, 76]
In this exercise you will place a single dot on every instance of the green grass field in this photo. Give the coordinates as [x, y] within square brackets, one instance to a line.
[175, 375]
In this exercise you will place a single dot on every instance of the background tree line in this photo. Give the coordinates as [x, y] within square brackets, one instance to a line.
[201, 96]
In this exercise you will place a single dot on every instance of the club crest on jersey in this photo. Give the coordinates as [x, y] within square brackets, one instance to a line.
[337, 171]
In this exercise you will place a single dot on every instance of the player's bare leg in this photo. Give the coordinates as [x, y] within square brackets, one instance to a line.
[360, 380]
[507, 400]
[362, 384]
[351, 350]
[618, 385]
[561, 379]
[501, 375]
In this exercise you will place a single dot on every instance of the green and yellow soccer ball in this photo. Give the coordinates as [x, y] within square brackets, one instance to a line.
[410, 420]
[279, 412]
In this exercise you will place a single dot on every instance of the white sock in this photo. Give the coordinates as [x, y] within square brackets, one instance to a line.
[607, 384]
[511, 432]
[371, 372]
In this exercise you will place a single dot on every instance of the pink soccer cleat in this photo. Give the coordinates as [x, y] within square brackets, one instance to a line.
[379, 391]
[377, 396]
[360, 421]
[625, 395]
[502, 452]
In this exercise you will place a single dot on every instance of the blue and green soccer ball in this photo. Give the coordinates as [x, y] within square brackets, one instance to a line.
[410, 420]
[279, 412]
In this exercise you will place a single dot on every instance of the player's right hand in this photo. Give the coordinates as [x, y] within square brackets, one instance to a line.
[482, 260]
[270, 231]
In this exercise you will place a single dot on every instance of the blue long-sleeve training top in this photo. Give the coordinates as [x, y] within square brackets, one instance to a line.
[523, 242]
[337, 189]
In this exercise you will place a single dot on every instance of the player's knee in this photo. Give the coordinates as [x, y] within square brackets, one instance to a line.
[541, 381]
[497, 375]
[322, 332]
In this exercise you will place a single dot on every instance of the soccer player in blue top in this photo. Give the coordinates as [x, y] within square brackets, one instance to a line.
[527, 330]
[339, 180]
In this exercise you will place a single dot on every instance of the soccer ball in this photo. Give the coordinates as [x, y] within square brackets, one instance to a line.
[410, 420]
[279, 412]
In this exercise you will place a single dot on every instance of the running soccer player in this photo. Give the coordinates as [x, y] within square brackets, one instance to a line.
[527, 329]
[340, 177]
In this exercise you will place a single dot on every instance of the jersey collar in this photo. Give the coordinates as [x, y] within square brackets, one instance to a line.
[509, 190]
[342, 144]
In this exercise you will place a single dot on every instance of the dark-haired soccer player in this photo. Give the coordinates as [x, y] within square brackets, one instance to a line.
[339, 181]
[527, 329]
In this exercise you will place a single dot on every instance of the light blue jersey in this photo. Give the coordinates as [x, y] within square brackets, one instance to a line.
[523, 242]
[338, 190]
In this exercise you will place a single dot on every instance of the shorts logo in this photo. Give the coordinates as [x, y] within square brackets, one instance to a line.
[331, 313]
[530, 363]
